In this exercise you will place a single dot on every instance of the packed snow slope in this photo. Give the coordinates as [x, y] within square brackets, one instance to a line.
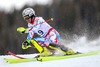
[88, 61]
[81, 45]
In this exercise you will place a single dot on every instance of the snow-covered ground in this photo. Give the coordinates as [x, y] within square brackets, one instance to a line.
[80, 45]
[88, 61]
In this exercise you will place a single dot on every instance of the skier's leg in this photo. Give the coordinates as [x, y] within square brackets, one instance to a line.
[65, 49]
[54, 40]
[37, 46]
[42, 47]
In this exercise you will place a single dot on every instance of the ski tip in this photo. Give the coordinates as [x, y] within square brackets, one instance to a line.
[8, 52]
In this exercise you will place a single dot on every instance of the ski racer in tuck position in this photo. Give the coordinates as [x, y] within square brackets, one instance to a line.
[48, 35]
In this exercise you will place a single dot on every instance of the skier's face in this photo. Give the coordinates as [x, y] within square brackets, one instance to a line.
[28, 20]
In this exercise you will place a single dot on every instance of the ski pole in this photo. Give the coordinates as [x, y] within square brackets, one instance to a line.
[15, 55]
[51, 19]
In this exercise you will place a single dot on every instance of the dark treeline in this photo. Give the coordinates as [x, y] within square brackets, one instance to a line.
[71, 17]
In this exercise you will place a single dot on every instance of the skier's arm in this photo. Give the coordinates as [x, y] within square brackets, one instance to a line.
[26, 43]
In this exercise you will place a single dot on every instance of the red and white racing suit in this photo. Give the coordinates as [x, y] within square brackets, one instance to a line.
[44, 30]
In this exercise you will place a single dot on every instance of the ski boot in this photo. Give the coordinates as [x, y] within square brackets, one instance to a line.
[44, 53]
[66, 50]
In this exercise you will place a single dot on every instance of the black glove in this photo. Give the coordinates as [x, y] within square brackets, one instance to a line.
[26, 45]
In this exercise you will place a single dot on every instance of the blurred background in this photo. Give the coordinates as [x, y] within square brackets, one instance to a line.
[72, 18]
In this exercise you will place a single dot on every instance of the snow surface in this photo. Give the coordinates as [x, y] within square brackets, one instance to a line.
[88, 61]
[79, 45]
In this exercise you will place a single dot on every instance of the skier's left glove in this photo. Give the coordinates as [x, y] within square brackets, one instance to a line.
[26, 44]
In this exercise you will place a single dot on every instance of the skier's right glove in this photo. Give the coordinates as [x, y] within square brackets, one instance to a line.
[22, 30]
[26, 44]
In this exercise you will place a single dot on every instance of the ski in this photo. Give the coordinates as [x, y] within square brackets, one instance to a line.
[13, 60]
[50, 58]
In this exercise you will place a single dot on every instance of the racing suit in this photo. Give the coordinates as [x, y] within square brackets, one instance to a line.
[44, 30]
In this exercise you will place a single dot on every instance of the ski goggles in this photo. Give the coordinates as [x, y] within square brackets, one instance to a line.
[26, 17]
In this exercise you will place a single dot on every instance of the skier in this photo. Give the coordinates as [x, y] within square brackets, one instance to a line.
[48, 35]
